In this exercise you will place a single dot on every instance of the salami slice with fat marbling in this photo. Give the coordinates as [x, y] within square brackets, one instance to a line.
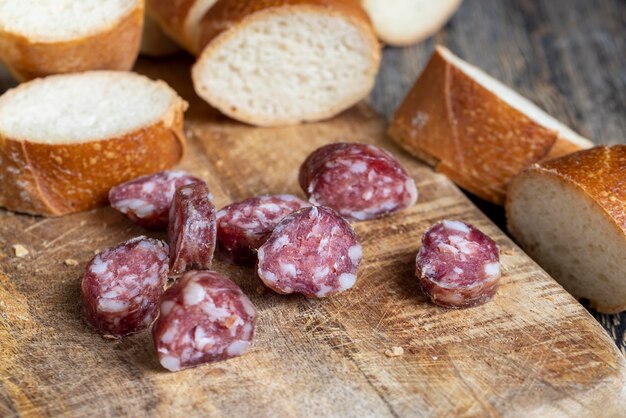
[122, 286]
[204, 318]
[359, 181]
[457, 265]
[242, 227]
[313, 251]
[192, 229]
[146, 200]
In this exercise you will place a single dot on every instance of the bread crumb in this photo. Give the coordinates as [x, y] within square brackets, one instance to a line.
[20, 250]
[71, 262]
[394, 352]
[96, 252]
[435, 358]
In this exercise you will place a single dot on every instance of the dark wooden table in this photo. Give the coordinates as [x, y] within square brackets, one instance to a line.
[569, 57]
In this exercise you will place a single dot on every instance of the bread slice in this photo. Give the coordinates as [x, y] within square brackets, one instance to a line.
[65, 140]
[407, 22]
[569, 214]
[180, 19]
[281, 62]
[154, 42]
[39, 37]
[474, 129]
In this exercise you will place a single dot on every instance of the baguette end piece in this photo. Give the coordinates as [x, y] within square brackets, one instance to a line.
[569, 214]
[475, 129]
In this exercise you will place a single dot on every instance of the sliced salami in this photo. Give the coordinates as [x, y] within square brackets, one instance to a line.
[122, 286]
[458, 266]
[244, 226]
[146, 200]
[204, 318]
[192, 229]
[313, 251]
[357, 180]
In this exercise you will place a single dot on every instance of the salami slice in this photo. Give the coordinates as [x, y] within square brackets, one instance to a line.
[458, 266]
[192, 229]
[313, 251]
[146, 200]
[122, 286]
[204, 318]
[244, 226]
[357, 180]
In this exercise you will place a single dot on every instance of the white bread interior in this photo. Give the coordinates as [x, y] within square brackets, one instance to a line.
[570, 236]
[61, 20]
[406, 22]
[154, 42]
[514, 99]
[83, 107]
[286, 66]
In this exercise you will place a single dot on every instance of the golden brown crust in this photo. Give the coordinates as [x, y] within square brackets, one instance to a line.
[172, 16]
[115, 48]
[227, 13]
[468, 133]
[53, 180]
[600, 173]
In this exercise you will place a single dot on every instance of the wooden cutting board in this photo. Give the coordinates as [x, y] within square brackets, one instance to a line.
[532, 351]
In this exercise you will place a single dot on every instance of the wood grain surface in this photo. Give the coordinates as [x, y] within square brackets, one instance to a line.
[569, 57]
[532, 351]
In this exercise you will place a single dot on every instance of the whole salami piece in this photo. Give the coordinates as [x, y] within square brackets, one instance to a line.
[204, 318]
[192, 229]
[313, 251]
[146, 200]
[357, 180]
[458, 266]
[122, 286]
[244, 226]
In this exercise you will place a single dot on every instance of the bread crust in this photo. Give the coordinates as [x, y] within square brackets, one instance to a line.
[467, 132]
[155, 42]
[419, 32]
[113, 48]
[225, 18]
[58, 179]
[172, 17]
[599, 175]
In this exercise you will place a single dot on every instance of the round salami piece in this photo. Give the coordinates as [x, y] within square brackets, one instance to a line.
[146, 200]
[122, 286]
[205, 317]
[458, 266]
[357, 180]
[244, 226]
[313, 251]
[192, 229]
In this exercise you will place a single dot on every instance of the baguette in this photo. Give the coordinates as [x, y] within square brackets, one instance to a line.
[281, 62]
[569, 214]
[65, 140]
[407, 22]
[180, 19]
[154, 42]
[38, 38]
[476, 130]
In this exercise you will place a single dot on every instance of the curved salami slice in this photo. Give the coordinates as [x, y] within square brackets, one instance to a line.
[146, 200]
[204, 318]
[359, 181]
[457, 265]
[191, 230]
[313, 251]
[244, 226]
[122, 286]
